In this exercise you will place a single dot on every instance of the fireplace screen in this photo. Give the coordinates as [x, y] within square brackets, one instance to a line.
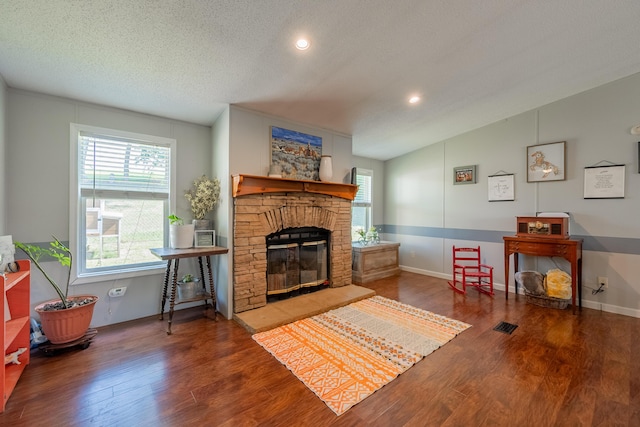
[297, 259]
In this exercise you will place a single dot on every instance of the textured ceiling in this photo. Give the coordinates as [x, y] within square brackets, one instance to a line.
[474, 62]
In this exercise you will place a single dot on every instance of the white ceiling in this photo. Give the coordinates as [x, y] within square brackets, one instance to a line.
[474, 62]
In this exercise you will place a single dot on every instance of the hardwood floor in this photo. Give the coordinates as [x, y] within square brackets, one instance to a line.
[556, 369]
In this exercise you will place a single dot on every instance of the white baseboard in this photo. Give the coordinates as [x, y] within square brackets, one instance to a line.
[595, 305]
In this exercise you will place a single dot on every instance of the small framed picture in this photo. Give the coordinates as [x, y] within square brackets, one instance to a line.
[501, 188]
[205, 238]
[464, 175]
[546, 162]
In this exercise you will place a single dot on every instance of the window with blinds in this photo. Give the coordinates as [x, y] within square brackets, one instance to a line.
[361, 206]
[124, 191]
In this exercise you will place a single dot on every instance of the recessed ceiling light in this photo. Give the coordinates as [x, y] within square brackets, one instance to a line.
[303, 44]
[414, 99]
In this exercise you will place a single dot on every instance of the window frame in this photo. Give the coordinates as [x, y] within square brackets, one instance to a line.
[76, 206]
[363, 172]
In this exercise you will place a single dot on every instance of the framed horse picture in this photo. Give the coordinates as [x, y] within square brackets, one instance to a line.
[546, 162]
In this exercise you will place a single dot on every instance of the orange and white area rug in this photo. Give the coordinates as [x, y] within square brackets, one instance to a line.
[346, 354]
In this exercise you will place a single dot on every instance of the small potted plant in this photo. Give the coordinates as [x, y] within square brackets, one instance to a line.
[65, 319]
[203, 198]
[180, 234]
[188, 287]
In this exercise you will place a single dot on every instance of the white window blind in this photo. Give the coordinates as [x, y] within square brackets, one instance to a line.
[119, 165]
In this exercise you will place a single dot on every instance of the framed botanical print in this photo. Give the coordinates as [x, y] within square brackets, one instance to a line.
[546, 162]
[501, 188]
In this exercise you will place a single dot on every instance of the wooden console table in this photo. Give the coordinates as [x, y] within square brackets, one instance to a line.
[173, 256]
[569, 249]
[374, 261]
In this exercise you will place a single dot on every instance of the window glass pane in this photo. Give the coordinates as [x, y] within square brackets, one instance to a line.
[120, 232]
[360, 220]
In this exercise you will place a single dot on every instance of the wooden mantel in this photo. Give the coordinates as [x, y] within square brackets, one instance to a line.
[244, 185]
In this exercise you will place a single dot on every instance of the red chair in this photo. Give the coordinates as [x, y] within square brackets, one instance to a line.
[469, 271]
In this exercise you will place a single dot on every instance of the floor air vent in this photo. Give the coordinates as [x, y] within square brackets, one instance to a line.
[505, 328]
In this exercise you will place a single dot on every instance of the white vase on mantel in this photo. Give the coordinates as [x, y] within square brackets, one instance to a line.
[326, 168]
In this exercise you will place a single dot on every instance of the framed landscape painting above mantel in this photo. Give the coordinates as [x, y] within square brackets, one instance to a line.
[298, 154]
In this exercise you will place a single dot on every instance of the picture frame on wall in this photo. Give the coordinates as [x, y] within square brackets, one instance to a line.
[298, 154]
[464, 175]
[604, 182]
[546, 162]
[501, 188]
[205, 238]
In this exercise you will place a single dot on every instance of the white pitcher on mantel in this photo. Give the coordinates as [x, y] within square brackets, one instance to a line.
[326, 168]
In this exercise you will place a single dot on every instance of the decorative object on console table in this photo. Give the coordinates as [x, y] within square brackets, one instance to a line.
[298, 154]
[205, 238]
[189, 287]
[541, 226]
[203, 198]
[464, 175]
[180, 234]
[546, 162]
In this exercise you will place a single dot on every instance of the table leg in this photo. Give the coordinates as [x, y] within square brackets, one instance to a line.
[515, 270]
[204, 282]
[212, 288]
[580, 282]
[506, 273]
[172, 299]
[575, 285]
[164, 290]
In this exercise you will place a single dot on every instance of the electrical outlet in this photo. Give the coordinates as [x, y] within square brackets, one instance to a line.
[603, 281]
[117, 292]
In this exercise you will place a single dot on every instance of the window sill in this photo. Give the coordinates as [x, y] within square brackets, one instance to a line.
[107, 276]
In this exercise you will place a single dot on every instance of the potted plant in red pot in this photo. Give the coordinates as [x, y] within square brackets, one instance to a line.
[65, 319]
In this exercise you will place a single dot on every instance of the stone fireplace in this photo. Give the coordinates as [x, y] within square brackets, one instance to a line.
[265, 206]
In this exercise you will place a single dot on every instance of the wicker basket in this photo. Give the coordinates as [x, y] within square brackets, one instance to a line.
[548, 302]
[534, 280]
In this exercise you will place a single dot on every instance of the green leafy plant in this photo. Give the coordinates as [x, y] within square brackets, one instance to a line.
[175, 220]
[60, 253]
[204, 196]
[187, 278]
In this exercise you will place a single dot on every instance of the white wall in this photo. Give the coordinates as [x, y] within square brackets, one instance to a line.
[37, 198]
[223, 263]
[428, 214]
[3, 159]
[250, 145]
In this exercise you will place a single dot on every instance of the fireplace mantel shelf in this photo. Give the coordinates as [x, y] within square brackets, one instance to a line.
[244, 185]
